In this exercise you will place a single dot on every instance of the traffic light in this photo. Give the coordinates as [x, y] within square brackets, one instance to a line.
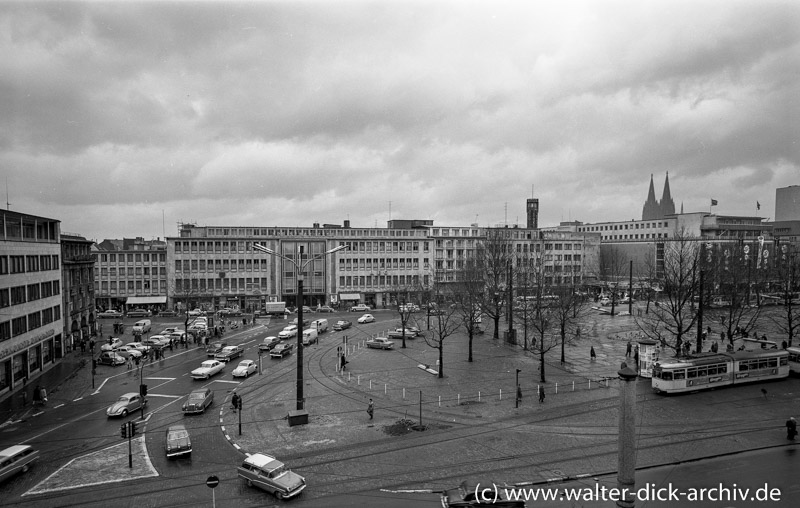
[134, 428]
[94, 363]
[142, 390]
[240, 403]
[123, 430]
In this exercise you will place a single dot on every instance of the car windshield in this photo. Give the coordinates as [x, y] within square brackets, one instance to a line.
[175, 435]
[124, 398]
[244, 364]
[197, 395]
[208, 364]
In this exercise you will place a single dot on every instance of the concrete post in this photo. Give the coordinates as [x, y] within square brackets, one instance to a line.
[626, 456]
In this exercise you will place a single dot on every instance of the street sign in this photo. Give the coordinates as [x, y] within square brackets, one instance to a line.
[212, 481]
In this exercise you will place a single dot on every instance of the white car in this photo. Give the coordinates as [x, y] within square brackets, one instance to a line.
[380, 343]
[115, 343]
[245, 368]
[196, 312]
[144, 348]
[366, 318]
[207, 369]
[360, 308]
[129, 351]
[289, 331]
[170, 330]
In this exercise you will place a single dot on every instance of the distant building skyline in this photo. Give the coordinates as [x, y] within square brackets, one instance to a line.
[654, 209]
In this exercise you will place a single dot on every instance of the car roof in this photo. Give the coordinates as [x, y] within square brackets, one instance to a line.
[260, 460]
[130, 394]
[13, 450]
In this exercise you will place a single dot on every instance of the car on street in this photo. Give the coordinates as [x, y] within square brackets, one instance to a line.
[157, 341]
[196, 312]
[342, 324]
[306, 309]
[409, 307]
[288, 332]
[294, 322]
[129, 351]
[207, 369]
[269, 474]
[228, 353]
[310, 336]
[466, 495]
[360, 308]
[281, 350]
[169, 330]
[366, 318]
[228, 312]
[110, 358]
[167, 313]
[215, 347]
[198, 401]
[139, 313]
[398, 333]
[17, 459]
[128, 403]
[245, 368]
[178, 442]
[380, 343]
[269, 343]
[115, 343]
[325, 308]
[178, 337]
[143, 348]
[110, 314]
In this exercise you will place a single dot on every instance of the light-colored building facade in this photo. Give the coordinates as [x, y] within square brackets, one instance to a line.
[77, 263]
[130, 273]
[31, 317]
[787, 203]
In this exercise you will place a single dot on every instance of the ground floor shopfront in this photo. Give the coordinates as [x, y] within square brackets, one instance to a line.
[25, 358]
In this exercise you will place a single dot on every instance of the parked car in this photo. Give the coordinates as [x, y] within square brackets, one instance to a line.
[269, 343]
[170, 330]
[366, 318]
[245, 368]
[226, 312]
[325, 308]
[143, 348]
[294, 322]
[156, 341]
[409, 307]
[269, 474]
[207, 369]
[380, 343]
[129, 351]
[115, 343]
[228, 353]
[178, 337]
[110, 314]
[128, 403]
[398, 333]
[466, 495]
[198, 401]
[360, 308]
[342, 324]
[288, 332]
[196, 312]
[139, 313]
[16, 459]
[215, 347]
[178, 441]
[142, 326]
[281, 350]
[110, 358]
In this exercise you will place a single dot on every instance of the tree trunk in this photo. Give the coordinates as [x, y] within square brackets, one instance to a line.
[541, 366]
[470, 346]
[441, 359]
[496, 327]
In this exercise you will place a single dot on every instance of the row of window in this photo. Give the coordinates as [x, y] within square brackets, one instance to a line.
[132, 285]
[132, 272]
[138, 257]
[25, 264]
[221, 265]
[368, 246]
[412, 281]
[284, 232]
[720, 368]
[629, 225]
[34, 320]
[29, 293]
[348, 264]
[648, 236]
[228, 283]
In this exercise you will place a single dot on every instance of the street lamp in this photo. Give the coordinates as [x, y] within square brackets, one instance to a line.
[299, 268]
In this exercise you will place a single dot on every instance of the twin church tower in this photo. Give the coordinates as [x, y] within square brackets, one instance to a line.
[653, 209]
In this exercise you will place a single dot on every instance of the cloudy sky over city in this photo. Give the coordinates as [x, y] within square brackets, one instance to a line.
[122, 119]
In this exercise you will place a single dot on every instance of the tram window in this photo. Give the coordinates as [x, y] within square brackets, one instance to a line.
[794, 357]
[691, 373]
[679, 374]
[666, 375]
[773, 362]
[743, 366]
[763, 363]
[784, 362]
[712, 370]
[723, 368]
[702, 372]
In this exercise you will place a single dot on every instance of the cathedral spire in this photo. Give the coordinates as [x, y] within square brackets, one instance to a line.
[667, 205]
[651, 209]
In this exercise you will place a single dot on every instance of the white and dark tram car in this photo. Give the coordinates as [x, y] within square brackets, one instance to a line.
[705, 371]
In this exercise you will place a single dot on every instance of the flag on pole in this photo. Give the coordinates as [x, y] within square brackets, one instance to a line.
[758, 205]
[713, 202]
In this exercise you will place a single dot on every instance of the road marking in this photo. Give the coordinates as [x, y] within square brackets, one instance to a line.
[164, 395]
[226, 381]
[165, 378]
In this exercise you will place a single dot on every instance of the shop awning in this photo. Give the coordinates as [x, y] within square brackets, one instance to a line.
[350, 296]
[145, 300]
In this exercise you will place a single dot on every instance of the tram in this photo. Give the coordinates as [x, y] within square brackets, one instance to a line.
[705, 371]
[794, 360]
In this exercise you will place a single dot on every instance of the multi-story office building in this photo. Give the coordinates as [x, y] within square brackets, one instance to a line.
[130, 273]
[77, 262]
[31, 323]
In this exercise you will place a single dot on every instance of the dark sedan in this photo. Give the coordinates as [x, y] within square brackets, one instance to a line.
[342, 325]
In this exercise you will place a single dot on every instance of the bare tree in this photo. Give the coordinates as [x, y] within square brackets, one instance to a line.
[470, 294]
[613, 266]
[444, 323]
[494, 256]
[787, 274]
[673, 316]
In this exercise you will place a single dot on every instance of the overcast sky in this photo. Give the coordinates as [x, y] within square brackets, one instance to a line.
[122, 119]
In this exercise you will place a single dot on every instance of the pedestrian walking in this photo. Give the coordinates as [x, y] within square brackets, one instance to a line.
[791, 428]
[541, 395]
[235, 401]
[129, 362]
[628, 349]
[370, 409]
[24, 398]
[37, 396]
[592, 354]
[91, 345]
[43, 395]
[136, 360]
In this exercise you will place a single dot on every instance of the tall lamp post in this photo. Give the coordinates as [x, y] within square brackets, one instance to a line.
[300, 267]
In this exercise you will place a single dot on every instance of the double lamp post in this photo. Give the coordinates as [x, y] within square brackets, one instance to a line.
[300, 266]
